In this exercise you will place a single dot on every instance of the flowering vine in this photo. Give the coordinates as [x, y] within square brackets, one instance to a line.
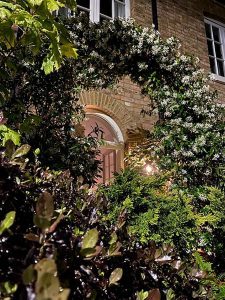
[190, 130]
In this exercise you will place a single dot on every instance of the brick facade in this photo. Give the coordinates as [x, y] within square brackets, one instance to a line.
[183, 19]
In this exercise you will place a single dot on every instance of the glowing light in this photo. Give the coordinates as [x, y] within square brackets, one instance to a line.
[149, 169]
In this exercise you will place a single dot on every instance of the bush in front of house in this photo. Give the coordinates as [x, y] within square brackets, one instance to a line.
[137, 238]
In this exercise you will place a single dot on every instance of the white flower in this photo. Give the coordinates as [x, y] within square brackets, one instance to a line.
[168, 114]
[207, 173]
[186, 79]
[91, 70]
[215, 157]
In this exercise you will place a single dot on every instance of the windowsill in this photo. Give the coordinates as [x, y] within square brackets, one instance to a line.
[218, 78]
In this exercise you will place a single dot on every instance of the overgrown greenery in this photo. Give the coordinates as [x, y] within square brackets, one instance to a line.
[138, 238]
[190, 133]
[45, 111]
[29, 24]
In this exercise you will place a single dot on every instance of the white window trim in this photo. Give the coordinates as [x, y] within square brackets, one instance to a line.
[111, 122]
[215, 77]
[221, 27]
[95, 10]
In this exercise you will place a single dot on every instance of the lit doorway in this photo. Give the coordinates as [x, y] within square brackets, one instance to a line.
[112, 143]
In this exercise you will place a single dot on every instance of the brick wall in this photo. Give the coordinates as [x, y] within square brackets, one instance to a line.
[185, 20]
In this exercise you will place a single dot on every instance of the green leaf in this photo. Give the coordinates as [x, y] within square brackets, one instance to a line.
[29, 275]
[45, 206]
[71, 4]
[8, 221]
[41, 223]
[37, 151]
[114, 249]
[113, 239]
[91, 252]
[9, 134]
[48, 65]
[90, 239]
[69, 51]
[87, 252]
[142, 295]
[54, 5]
[7, 4]
[202, 264]
[8, 288]
[35, 2]
[9, 148]
[170, 295]
[47, 285]
[23, 150]
[115, 276]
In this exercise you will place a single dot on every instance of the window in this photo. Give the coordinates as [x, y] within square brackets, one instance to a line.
[105, 9]
[215, 34]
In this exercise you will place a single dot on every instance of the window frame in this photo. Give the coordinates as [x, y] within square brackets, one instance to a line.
[94, 10]
[221, 27]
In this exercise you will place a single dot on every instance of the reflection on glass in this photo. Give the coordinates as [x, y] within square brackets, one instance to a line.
[220, 65]
[208, 31]
[106, 7]
[84, 3]
[119, 10]
[216, 34]
[212, 65]
[218, 50]
[210, 47]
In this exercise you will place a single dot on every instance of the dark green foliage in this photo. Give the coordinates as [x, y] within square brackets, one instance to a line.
[45, 110]
[139, 236]
[85, 259]
[190, 130]
[151, 210]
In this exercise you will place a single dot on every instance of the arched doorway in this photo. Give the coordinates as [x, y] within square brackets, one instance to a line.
[111, 139]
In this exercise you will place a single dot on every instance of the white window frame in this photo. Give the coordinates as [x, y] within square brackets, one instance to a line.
[221, 27]
[95, 10]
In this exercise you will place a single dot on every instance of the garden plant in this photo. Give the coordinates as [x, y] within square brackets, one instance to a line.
[154, 237]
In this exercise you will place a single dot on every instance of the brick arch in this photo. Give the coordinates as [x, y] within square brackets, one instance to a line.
[96, 100]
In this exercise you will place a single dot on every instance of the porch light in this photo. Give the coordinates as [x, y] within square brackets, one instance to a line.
[151, 168]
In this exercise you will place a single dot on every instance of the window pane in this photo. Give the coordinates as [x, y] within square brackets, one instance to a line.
[84, 3]
[208, 31]
[218, 50]
[210, 48]
[119, 10]
[212, 65]
[106, 7]
[220, 65]
[216, 34]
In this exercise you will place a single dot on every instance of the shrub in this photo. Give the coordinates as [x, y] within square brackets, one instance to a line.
[151, 210]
